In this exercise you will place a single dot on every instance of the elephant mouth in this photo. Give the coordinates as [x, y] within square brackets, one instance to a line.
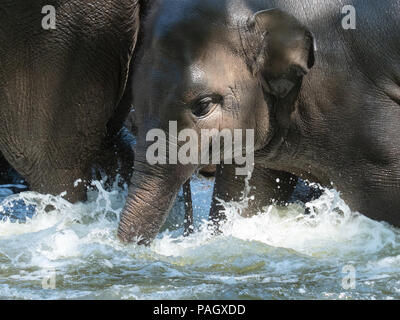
[208, 171]
[270, 147]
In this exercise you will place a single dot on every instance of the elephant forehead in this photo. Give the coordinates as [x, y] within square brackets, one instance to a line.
[218, 67]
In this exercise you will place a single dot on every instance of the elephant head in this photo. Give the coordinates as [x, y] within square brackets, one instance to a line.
[204, 68]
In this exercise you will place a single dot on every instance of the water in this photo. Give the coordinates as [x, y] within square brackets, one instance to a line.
[72, 252]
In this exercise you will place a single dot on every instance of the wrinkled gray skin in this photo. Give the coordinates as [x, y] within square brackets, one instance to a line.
[331, 115]
[61, 91]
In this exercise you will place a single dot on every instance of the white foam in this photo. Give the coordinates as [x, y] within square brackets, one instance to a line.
[280, 245]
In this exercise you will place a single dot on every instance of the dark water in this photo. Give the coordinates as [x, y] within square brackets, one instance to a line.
[73, 252]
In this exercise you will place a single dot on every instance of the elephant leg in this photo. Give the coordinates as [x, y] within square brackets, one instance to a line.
[71, 183]
[266, 187]
[187, 195]
[8, 175]
[116, 157]
[46, 172]
[4, 167]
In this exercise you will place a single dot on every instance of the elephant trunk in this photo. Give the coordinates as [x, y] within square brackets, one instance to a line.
[151, 195]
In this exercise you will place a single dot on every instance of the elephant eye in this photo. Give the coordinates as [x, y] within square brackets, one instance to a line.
[205, 105]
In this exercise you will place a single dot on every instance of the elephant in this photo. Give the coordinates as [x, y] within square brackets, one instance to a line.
[322, 98]
[62, 89]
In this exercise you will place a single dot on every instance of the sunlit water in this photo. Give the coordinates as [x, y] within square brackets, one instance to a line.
[72, 252]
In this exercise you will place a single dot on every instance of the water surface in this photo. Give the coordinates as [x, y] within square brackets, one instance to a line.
[72, 252]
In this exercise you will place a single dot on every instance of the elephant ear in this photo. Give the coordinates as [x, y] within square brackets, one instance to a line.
[283, 50]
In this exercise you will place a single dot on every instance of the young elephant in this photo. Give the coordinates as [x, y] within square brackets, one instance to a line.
[61, 89]
[331, 115]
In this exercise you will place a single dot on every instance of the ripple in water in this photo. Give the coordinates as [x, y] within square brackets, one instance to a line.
[72, 251]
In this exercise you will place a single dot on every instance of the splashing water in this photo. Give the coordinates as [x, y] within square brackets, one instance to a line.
[71, 251]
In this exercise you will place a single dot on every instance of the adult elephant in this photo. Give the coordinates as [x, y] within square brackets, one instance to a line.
[62, 85]
[330, 115]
